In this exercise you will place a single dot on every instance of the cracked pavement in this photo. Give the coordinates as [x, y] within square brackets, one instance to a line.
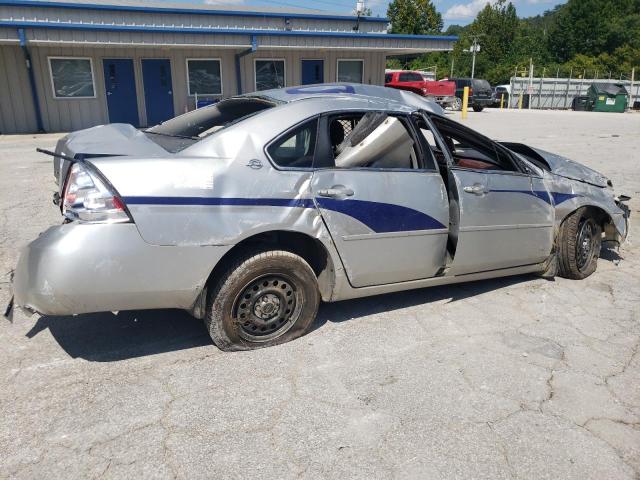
[515, 378]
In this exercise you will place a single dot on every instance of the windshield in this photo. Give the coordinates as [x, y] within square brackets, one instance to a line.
[185, 130]
[481, 84]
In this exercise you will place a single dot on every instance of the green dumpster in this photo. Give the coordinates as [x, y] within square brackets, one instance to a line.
[608, 97]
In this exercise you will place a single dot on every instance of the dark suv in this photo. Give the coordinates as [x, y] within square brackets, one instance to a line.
[480, 93]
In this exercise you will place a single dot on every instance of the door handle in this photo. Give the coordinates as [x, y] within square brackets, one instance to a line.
[476, 189]
[336, 191]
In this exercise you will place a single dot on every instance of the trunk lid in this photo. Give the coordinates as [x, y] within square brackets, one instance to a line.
[116, 139]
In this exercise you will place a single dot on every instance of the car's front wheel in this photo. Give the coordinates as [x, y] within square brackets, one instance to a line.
[264, 298]
[457, 104]
[579, 244]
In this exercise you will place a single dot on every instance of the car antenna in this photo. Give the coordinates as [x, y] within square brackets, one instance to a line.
[59, 155]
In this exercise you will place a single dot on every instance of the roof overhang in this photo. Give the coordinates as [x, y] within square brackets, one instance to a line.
[188, 11]
[39, 32]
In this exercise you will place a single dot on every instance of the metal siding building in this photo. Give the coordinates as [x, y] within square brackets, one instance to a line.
[140, 60]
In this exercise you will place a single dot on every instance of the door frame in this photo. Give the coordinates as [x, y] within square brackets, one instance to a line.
[144, 99]
[312, 60]
[136, 78]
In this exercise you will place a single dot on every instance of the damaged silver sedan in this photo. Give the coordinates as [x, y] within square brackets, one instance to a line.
[250, 212]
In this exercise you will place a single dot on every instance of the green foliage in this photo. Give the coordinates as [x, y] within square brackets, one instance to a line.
[414, 17]
[580, 37]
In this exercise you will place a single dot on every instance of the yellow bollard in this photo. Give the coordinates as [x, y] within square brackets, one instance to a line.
[520, 102]
[465, 102]
[502, 102]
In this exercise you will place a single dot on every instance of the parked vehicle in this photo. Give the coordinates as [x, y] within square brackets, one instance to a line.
[581, 104]
[443, 92]
[251, 211]
[501, 93]
[480, 93]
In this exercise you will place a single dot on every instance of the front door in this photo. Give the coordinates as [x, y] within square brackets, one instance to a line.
[312, 71]
[158, 90]
[382, 199]
[120, 85]
[505, 214]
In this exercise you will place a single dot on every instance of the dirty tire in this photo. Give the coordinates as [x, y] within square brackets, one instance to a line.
[477, 108]
[264, 298]
[579, 244]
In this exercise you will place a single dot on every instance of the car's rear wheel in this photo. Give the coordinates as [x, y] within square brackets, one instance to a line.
[264, 298]
[477, 108]
[579, 244]
[457, 104]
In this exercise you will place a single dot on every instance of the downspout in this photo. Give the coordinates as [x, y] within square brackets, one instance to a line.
[254, 47]
[32, 79]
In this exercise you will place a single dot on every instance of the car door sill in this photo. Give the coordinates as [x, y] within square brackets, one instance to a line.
[485, 228]
[410, 233]
[346, 291]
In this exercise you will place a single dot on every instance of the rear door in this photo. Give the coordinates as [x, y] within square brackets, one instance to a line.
[381, 197]
[481, 89]
[505, 214]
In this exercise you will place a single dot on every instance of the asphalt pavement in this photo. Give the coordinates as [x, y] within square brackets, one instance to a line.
[516, 378]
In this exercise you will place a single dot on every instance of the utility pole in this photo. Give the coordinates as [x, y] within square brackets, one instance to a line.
[475, 48]
[633, 78]
[452, 62]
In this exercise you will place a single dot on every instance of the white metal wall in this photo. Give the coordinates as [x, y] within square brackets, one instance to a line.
[558, 93]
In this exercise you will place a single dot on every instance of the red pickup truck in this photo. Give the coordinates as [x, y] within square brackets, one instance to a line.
[443, 92]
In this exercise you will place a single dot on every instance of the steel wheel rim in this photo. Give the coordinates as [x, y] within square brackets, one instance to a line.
[267, 307]
[584, 244]
[457, 104]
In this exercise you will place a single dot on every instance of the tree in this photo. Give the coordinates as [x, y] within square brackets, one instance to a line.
[593, 27]
[414, 17]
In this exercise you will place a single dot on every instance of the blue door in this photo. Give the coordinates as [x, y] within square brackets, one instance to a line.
[312, 71]
[158, 90]
[120, 84]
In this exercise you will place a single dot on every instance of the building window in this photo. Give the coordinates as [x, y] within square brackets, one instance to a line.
[204, 76]
[72, 77]
[269, 74]
[351, 71]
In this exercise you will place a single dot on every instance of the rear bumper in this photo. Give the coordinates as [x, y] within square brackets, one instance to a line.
[76, 268]
[482, 102]
[444, 99]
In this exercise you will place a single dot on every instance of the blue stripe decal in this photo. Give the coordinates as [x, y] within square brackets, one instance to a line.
[382, 217]
[558, 198]
[238, 202]
[555, 198]
[541, 194]
[379, 217]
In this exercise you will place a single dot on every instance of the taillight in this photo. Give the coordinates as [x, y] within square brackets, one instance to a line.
[86, 198]
[470, 91]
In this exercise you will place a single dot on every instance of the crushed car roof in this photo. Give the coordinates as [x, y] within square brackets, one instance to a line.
[385, 98]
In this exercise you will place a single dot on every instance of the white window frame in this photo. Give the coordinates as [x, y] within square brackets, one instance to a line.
[53, 86]
[255, 70]
[361, 60]
[219, 60]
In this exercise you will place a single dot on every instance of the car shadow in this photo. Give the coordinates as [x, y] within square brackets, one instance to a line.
[105, 337]
[351, 309]
[610, 254]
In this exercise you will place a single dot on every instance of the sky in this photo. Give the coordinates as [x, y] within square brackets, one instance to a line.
[459, 12]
